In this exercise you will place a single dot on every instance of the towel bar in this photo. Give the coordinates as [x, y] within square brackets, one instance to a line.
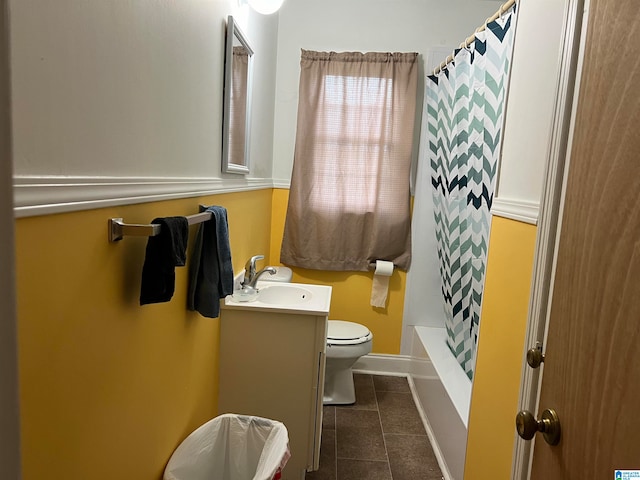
[118, 229]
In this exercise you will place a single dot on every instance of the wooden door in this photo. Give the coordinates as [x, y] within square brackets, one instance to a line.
[591, 373]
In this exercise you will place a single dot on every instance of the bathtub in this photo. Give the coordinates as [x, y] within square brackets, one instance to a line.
[443, 391]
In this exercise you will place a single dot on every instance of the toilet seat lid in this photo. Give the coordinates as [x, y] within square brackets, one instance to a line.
[340, 332]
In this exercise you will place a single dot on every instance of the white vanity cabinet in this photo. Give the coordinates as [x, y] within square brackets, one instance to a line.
[272, 362]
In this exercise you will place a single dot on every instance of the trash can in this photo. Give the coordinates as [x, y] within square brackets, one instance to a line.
[231, 447]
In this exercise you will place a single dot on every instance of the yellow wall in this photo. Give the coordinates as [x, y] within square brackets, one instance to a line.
[351, 294]
[109, 388]
[496, 385]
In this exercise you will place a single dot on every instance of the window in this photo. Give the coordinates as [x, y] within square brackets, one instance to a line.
[345, 136]
[349, 197]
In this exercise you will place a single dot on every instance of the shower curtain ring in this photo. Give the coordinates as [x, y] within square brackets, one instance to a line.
[470, 41]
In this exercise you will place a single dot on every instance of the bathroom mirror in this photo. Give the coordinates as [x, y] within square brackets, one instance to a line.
[237, 101]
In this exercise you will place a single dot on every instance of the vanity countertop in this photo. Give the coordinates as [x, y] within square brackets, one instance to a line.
[315, 302]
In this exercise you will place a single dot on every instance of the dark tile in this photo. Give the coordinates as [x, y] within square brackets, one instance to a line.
[327, 468]
[359, 435]
[365, 393]
[384, 383]
[411, 457]
[356, 418]
[362, 379]
[398, 413]
[328, 418]
[363, 470]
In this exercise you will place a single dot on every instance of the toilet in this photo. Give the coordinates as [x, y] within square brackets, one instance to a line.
[346, 343]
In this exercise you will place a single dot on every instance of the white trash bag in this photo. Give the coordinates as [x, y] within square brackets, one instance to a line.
[231, 447]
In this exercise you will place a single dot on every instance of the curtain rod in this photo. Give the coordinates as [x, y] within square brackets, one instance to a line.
[469, 40]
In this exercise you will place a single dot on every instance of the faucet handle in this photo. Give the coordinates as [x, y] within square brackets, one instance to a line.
[250, 267]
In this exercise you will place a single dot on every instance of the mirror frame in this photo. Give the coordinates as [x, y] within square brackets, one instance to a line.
[228, 166]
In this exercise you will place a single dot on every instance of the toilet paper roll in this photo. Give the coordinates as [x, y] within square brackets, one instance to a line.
[380, 286]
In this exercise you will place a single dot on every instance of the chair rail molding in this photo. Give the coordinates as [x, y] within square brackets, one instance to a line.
[42, 195]
[284, 183]
[515, 209]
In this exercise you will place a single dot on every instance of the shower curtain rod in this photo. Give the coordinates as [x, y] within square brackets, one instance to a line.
[469, 40]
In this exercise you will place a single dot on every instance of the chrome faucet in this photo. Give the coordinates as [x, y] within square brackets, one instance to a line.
[252, 283]
[251, 276]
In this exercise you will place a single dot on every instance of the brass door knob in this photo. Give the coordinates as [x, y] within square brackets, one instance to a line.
[535, 356]
[549, 425]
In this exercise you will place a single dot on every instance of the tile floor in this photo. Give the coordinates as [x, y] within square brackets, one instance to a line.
[380, 437]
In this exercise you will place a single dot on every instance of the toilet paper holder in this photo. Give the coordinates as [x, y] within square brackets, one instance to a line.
[380, 285]
[372, 266]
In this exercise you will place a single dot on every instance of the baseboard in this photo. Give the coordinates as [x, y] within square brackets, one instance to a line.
[383, 364]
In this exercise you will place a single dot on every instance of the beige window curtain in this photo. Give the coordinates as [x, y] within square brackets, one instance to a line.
[349, 202]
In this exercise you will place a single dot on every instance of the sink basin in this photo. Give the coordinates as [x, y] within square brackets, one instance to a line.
[303, 298]
[284, 295]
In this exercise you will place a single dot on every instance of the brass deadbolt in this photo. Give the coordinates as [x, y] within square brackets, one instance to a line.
[549, 425]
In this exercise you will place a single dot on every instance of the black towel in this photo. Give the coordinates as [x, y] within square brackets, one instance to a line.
[165, 251]
[210, 269]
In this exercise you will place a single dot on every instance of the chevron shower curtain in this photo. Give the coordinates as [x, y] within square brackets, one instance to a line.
[465, 112]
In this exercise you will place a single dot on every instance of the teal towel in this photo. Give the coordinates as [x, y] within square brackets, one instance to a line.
[210, 270]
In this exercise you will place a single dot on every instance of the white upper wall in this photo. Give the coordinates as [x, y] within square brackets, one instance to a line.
[121, 102]
[131, 90]
[359, 25]
[530, 108]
